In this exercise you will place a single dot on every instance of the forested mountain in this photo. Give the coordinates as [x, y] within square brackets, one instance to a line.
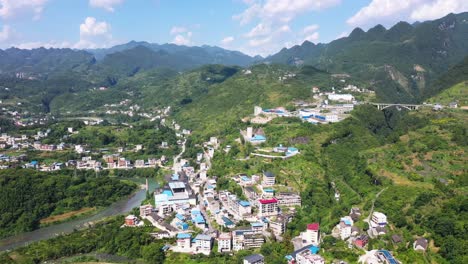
[42, 62]
[400, 62]
[195, 55]
[126, 59]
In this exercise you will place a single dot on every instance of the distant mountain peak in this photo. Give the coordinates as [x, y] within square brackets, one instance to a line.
[357, 33]
[377, 28]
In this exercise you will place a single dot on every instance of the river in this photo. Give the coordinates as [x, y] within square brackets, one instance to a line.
[120, 207]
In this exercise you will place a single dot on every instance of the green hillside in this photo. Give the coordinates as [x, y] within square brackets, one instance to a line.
[233, 99]
[457, 93]
[400, 62]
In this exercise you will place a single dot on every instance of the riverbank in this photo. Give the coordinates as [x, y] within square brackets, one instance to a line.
[122, 206]
[55, 219]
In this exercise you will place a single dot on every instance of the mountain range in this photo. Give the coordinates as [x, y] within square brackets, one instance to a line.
[401, 64]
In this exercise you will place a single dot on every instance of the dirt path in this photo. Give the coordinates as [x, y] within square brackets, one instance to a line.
[65, 216]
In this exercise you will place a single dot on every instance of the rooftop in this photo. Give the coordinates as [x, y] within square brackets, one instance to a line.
[224, 236]
[176, 185]
[203, 237]
[388, 256]
[313, 226]
[244, 203]
[254, 258]
[256, 224]
[268, 201]
[183, 236]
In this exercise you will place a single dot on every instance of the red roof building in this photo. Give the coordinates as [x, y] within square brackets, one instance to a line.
[267, 207]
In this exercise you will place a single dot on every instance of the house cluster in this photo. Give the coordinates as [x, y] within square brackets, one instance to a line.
[27, 142]
[88, 163]
[190, 201]
[308, 253]
[108, 161]
[260, 205]
[23, 118]
[377, 224]
[317, 114]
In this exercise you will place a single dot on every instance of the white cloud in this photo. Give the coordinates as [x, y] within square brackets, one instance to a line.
[227, 40]
[342, 35]
[12, 8]
[439, 8]
[248, 15]
[91, 27]
[259, 42]
[313, 37]
[281, 10]
[272, 42]
[183, 39]
[388, 12]
[5, 34]
[310, 29]
[94, 34]
[106, 4]
[177, 30]
[258, 31]
[271, 32]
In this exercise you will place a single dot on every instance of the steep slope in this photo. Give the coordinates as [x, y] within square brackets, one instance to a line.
[455, 75]
[400, 62]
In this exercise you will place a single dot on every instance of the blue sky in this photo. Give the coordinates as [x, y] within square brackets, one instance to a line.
[251, 26]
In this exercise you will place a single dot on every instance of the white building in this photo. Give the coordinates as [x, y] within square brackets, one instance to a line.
[311, 235]
[341, 97]
[345, 227]
[173, 198]
[224, 242]
[244, 208]
[288, 199]
[214, 141]
[184, 240]
[203, 242]
[268, 179]
[306, 257]
[378, 219]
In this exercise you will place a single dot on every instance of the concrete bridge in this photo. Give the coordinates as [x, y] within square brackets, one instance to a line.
[382, 106]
